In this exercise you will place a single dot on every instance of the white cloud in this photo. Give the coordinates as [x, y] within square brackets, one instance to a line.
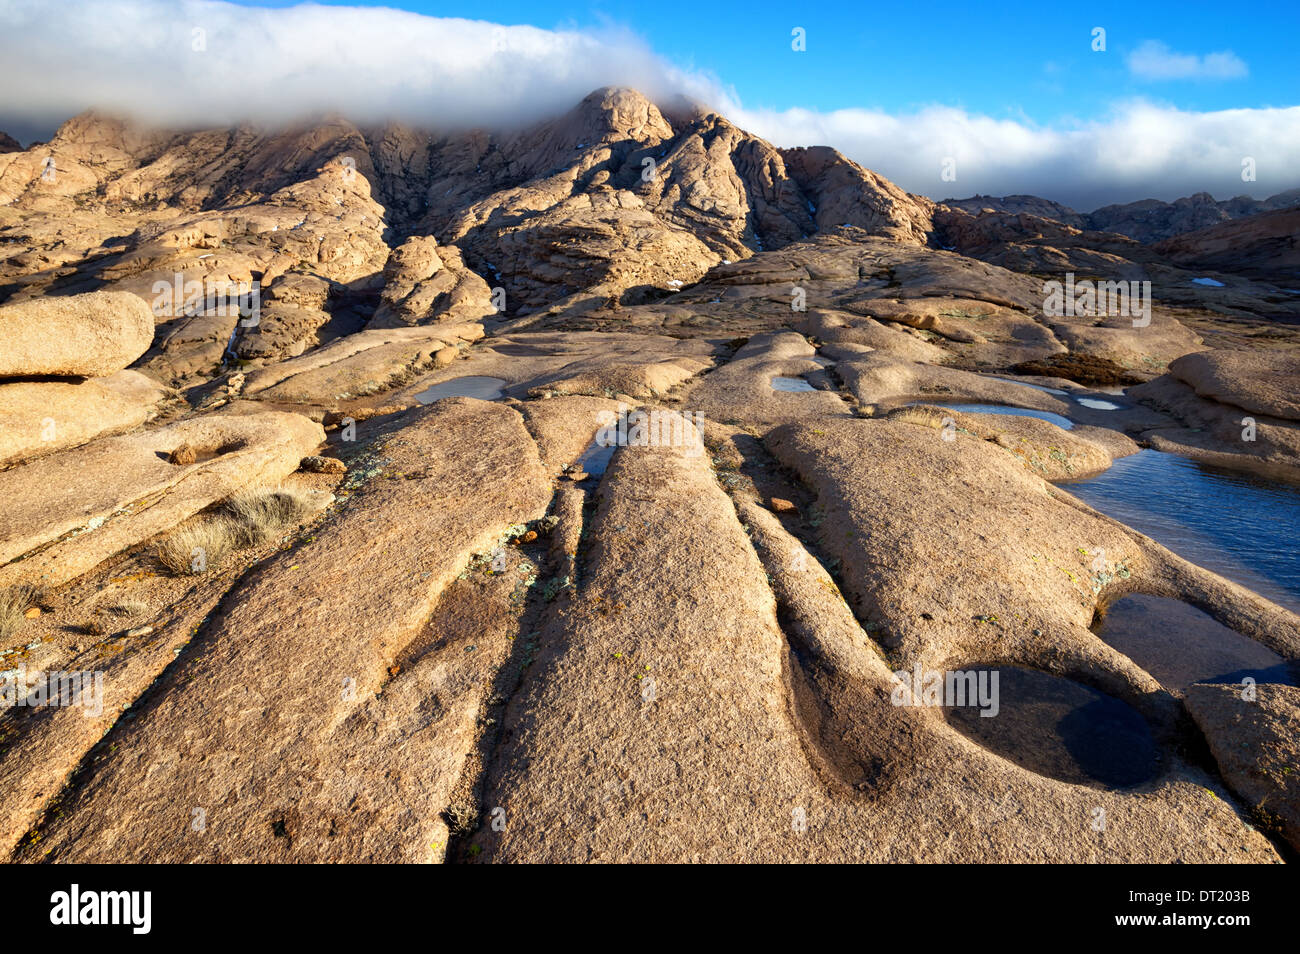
[1141, 150]
[137, 57]
[206, 62]
[1154, 60]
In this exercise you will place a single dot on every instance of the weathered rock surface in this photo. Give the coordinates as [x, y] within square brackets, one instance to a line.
[71, 510]
[40, 417]
[362, 762]
[1219, 429]
[91, 335]
[708, 736]
[1254, 744]
[1260, 382]
[745, 389]
[540, 364]
[369, 362]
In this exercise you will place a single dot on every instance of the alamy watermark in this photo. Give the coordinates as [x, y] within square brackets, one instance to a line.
[655, 428]
[133, 909]
[953, 688]
[56, 688]
[1098, 299]
[178, 297]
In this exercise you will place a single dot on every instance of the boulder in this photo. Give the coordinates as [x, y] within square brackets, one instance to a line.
[1264, 382]
[91, 335]
[39, 417]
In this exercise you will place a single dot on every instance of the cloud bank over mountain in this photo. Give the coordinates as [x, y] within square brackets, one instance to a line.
[202, 63]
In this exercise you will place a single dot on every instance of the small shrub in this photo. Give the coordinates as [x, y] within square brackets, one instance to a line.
[461, 818]
[184, 454]
[95, 626]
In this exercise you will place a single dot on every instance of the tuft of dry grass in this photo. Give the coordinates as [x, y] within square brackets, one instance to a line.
[200, 547]
[14, 603]
[95, 626]
[128, 608]
[262, 513]
[924, 415]
[249, 518]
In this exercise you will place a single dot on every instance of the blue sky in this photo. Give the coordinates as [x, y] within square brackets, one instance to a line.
[1013, 98]
[1022, 60]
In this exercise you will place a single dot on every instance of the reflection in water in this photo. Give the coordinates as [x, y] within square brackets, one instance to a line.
[1179, 645]
[1062, 422]
[1062, 729]
[1241, 527]
[472, 386]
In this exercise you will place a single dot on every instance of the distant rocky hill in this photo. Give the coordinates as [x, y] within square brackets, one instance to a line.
[1264, 246]
[1149, 220]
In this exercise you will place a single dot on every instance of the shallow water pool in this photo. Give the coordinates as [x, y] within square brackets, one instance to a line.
[1097, 404]
[1062, 729]
[793, 385]
[473, 386]
[1180, 645]
[1241, 527]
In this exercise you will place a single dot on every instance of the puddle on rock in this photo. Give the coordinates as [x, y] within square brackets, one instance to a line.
[595, 459]
[1097, 404]
[1238, 525]
[1180, 645]
[1062, 729]
[472, 386]
[793, 385]
[1062, 422]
